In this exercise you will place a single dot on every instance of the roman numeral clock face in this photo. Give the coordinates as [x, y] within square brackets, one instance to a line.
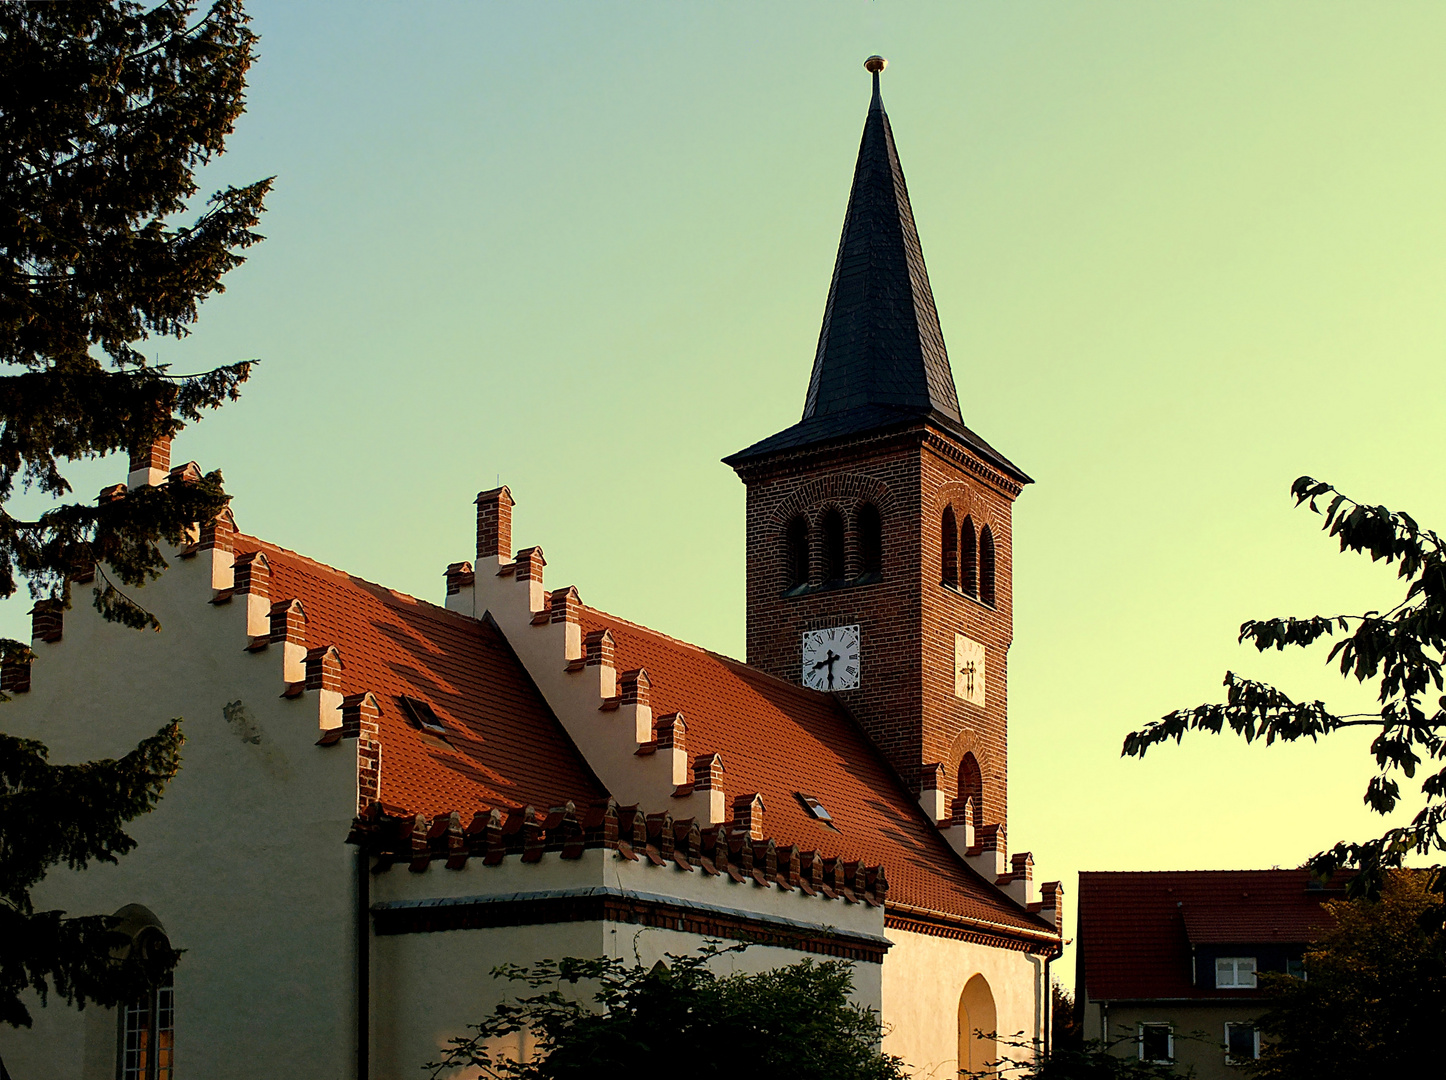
[831, 658]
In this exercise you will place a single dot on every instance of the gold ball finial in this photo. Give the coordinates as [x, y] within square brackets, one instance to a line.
[875, 64]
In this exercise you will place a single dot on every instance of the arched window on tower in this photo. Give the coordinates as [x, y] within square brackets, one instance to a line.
[949, 555]
[833, 547]
[968, 559]
[986, 566]
[795, 543]
[871, 544]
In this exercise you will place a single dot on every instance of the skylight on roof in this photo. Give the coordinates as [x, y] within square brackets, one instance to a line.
[816, 808]
[423, 715]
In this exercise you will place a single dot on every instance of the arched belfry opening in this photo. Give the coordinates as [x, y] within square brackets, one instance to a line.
[795, 543]
[949, 549]
[834, 548]
[986, 566]
[978, 1020]
[871, 544]
[968, 559]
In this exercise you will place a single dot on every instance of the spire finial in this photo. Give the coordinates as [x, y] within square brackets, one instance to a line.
[873, 65]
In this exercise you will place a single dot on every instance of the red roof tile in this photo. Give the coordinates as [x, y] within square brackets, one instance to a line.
[506, 747]
[779, 739]
[1136, 928]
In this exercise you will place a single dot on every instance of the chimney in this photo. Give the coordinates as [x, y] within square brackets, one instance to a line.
[218, 536]
[150, 465]
[931, 791]
[565, 611]
[323, 674]
[47, 620]
[748, 816]
[494, 527]
[633, 703]
[529, 563]
[708, 780]
[252, 577]
[600, 652]
[288, 629]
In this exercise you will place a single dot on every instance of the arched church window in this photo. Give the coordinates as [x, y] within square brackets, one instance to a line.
[986, 566]
[147, 1021]
[833, 546]
[971, 791]
[795, 542]
[968, 559]
[871, 543]
[978, 1021]
[949, 555]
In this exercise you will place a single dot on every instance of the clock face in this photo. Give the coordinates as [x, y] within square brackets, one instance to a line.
[969, 670]
[831, 658]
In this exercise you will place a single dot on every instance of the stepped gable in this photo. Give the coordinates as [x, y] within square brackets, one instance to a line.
[778, 739]
[1137, 927]
[503, 748]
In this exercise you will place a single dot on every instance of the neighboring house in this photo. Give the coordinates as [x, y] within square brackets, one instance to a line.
[1166, 962]
[381, 799]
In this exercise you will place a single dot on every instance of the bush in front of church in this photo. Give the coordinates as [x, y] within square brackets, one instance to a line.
[604, 1018]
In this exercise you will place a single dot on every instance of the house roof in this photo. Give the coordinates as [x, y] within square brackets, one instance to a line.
[1136, 929]
[783, 741]
[503, 749]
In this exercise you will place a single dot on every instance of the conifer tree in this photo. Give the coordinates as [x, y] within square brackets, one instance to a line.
[107, 109]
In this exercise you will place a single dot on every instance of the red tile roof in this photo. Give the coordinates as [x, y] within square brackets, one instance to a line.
[506, 749]
[778, 740]
[1136, 928]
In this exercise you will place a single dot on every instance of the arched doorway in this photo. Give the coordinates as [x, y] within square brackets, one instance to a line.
[976, 1014]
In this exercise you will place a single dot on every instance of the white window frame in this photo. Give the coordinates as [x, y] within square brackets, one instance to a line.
[1235, 963]
[1237, 1023]
[1169, 1041]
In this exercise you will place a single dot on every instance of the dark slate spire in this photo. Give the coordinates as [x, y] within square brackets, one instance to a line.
[881, 362]
[880, 343]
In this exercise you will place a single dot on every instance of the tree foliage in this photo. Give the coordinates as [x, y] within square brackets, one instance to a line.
[107, 109]
[1399, 649]
[606, 1019]
[1076, 1059]
[1374, 995]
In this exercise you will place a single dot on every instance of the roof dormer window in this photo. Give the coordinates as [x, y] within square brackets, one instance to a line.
[422, 715]
[1235, 973]
[816, 808]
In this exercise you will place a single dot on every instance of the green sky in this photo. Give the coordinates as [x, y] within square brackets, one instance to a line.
[1182, 253]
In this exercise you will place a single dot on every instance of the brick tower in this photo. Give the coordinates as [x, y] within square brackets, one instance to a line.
[879, 537]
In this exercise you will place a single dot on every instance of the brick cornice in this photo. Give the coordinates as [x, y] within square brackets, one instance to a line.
[606, 904]
[977, 931]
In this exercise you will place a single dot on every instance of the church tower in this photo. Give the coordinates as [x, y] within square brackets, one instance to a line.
[880, 546]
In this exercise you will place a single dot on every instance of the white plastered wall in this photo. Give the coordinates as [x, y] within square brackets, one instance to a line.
[923, 979]
[243, 861]
[428, 987]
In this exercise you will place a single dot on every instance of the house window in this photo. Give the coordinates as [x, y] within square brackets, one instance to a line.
[1242, 1043]
[148, 1036]
[1295, 969]
[1235, 973]
[1157, 1043]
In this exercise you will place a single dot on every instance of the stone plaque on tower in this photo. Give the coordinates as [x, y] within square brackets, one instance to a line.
[969, 670]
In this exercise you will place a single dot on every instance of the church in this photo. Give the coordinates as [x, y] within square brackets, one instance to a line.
[383, 798]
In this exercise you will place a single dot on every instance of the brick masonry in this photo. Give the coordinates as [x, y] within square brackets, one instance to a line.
[908, 619]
